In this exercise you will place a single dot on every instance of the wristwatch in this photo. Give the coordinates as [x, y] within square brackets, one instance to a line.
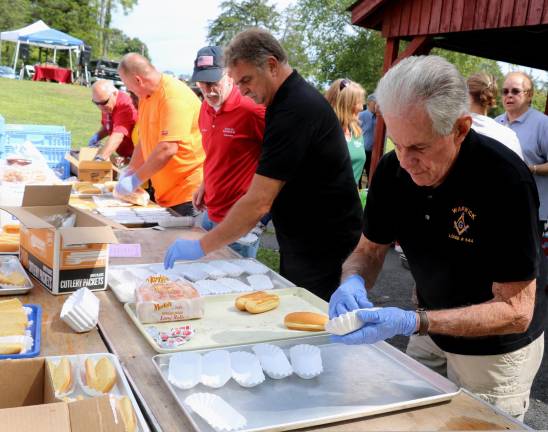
[99, 158]
[423, 322]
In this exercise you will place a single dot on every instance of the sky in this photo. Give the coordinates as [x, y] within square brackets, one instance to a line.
[174, 30]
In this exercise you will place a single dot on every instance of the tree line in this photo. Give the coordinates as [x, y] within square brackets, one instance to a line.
[88, 20]
[323, 45]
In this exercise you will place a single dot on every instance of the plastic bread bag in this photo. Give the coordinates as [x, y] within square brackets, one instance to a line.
[159, 299]
[61, 220]
[138, 197]
[26, 165]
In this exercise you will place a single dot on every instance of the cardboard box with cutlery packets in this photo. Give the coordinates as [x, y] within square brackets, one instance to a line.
[62, 259]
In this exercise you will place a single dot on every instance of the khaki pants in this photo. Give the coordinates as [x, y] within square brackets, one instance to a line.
[503, 380]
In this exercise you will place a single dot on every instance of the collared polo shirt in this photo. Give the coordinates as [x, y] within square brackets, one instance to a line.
[171, 114]
[232, 138]
[478, 227]
[122, 120]
[368, 120]
[317, 211]
[532, 130]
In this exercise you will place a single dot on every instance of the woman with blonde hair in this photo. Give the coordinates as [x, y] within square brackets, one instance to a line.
[482, 96]
[347, 99]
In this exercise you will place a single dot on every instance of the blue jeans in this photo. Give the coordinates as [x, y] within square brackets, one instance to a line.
[247, 251]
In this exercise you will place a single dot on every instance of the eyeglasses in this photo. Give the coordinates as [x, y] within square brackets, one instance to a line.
[344, 83]
[514, 91]
[103, 103]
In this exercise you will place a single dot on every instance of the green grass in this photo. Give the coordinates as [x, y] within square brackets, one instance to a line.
[270, 258]
[34, 102]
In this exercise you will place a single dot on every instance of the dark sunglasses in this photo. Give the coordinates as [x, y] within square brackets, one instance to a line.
[514, 91]
[103, 103]
[344, 83]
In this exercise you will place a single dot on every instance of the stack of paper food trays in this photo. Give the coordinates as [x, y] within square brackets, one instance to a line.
[208, 277]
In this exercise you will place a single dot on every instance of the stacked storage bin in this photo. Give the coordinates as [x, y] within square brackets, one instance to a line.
[2, 125]
[52, 141]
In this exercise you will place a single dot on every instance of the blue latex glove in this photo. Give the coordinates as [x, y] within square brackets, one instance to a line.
[349, 296]
[183, 250]
[94, 141]
[127, 184]
[380, 325]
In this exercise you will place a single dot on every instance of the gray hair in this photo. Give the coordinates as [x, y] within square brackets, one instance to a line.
[428, 81]
[254, 46]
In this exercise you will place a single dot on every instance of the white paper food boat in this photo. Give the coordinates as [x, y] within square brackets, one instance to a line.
[273, 360]
[81, 310]
[246, 369]
[185, 370]
[306, 361]
[216, 411]
[230, 269]
[251, 267]
[260, 282]
[346, 323]
[216, 369]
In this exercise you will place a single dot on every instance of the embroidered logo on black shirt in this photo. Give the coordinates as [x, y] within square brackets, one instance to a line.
[462, 223]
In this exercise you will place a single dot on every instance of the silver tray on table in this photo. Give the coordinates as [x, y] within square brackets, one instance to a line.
[8, 264]
[224, 325]
[357, 381]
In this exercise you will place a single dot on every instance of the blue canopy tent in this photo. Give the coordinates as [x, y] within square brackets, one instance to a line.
[39, 34]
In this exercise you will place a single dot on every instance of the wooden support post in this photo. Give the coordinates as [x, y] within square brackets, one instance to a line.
[420, 45]
[390, 55]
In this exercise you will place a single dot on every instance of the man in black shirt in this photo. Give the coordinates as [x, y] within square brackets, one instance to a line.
[304, 177]
[464, 209]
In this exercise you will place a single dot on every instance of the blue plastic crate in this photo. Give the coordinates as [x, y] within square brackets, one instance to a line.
[35, 331]
[40, 140]
[29, 128]
[53, 145]
[61, 169]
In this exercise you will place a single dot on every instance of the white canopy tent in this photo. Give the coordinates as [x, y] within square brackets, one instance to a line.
[41, 35]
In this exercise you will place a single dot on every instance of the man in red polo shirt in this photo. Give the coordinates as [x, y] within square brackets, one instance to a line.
[118, 117]
[232, 129]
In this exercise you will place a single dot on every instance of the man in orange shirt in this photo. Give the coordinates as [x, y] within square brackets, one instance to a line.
[170, 151]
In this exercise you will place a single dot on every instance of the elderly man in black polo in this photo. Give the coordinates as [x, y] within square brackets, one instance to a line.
[471, 239]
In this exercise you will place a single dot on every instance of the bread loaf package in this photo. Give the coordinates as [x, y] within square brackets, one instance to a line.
[159, 299]
[138, 197]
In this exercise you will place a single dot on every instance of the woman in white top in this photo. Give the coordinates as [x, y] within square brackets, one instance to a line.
[482, 95]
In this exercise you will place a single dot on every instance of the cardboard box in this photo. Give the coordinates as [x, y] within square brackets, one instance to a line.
[62, 259]
[86, 169]
[28, 403]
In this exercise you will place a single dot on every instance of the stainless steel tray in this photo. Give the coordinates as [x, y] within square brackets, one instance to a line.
[357, 381]
[224, 325]
[9, 263]
[124, 297]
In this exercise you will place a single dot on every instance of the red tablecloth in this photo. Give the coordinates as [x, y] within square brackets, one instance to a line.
[45, 73]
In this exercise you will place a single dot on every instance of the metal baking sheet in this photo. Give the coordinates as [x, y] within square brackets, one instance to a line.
[357, 381]
[9, 263]
[121, 388]
[122, 294]
[224, 325]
